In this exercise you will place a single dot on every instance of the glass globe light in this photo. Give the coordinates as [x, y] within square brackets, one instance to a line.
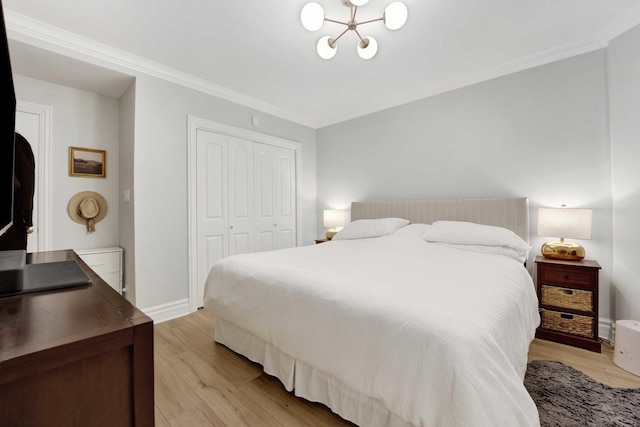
[312, 16]
[359, 2]
[369, 51]
[395, 15]
[324, 48]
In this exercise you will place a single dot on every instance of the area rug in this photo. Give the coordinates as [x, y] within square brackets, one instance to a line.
[566, 397]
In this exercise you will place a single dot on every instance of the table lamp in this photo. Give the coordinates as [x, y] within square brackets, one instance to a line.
[564, 223]
[333, 218]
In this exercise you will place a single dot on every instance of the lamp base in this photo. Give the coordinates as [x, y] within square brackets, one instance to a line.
[563, 250]
[330, 233]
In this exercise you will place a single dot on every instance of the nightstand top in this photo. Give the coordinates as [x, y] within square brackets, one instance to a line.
[588, 263]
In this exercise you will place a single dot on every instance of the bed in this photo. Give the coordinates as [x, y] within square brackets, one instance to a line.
[408, 328]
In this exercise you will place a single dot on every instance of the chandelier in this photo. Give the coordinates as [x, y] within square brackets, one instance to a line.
[312, 17]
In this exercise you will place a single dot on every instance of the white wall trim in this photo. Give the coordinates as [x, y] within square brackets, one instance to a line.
[622, 24]
[37, 33]
[163, 312]
[195, 123]
[43, 177]
[604, 328]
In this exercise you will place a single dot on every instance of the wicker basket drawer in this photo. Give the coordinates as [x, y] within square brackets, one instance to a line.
[567, 298]
[565, 275]
[569, 323]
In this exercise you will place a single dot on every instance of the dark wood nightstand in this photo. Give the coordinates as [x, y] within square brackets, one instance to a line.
[568, 302]
[318, 241]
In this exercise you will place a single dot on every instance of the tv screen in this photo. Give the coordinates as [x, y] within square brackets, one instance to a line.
[7, 131]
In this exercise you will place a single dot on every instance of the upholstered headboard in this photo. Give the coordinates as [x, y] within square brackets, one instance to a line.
[510, 213]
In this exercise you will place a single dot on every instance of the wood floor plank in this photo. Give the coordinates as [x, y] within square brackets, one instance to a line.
[201, 383]
[173, 395]
[201, 415]
[224, 399]
[161, 421]
[236, 370]
[269, 393]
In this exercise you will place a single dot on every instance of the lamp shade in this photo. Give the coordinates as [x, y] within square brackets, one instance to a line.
[333, 218]
[324, 48]
[312, 16]
[395, 15]
[370, 50]
[564, 222]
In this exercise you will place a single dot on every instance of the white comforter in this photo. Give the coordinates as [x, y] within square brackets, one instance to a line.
[438, 335]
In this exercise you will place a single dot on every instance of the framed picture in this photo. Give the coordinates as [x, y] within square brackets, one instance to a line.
[87, 162]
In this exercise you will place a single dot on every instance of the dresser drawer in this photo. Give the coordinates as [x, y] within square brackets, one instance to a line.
[576, 299]
[570, 323]
[566, 275]
[106, 262]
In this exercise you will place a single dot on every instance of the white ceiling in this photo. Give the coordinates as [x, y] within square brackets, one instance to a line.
[256, 52]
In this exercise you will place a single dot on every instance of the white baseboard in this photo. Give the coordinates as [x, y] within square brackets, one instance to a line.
[604, 328]
[162, 313]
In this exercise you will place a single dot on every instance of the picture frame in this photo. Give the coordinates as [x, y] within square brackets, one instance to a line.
[87, 162]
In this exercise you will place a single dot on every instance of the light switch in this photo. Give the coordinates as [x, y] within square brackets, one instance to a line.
[126, 196]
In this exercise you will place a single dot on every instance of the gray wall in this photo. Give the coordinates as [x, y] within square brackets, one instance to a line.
[127, 224]
[160, 193]
[81, 119]
[624, 96]
[540, 133]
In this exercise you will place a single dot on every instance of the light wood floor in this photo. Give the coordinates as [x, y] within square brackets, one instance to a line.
[200, 383]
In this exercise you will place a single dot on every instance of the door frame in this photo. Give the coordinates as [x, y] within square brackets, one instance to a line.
[193, 125]
[43, 170]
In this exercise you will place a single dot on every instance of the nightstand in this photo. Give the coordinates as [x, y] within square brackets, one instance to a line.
[568, 302]
[318, 241]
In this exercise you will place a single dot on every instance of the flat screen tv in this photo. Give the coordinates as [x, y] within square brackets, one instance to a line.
[7, 131]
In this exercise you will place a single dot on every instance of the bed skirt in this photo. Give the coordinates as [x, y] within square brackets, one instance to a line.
[306, 381]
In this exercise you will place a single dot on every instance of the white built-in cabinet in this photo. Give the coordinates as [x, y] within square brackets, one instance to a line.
[106, 263]
[245, 198]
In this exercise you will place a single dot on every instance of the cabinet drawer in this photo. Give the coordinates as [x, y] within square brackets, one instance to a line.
[106, 262]
[112, 279]
[567, 298]
[565, 275]
[569, 323]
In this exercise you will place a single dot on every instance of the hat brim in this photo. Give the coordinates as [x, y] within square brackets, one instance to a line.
[75, 201]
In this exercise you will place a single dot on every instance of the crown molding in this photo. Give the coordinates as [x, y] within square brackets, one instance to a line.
[23, 29]
[584, 45]
[620, 25]
[36, 33]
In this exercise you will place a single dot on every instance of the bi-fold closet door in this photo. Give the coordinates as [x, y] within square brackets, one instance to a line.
[246, 199]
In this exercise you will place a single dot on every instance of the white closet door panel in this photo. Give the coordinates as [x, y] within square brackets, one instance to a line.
[212, 196]
[286, 238]
[240, 243]
[265, 185]
[265, 241]
[241, 211]
[286, 198]
[275, 196]
[265, 197]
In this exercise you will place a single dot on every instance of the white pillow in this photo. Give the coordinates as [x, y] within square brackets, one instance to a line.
[487, 249]
[365, 228]
[469, 233]
[416, 229]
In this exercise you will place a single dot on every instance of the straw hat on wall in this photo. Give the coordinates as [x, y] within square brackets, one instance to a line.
[89, 208]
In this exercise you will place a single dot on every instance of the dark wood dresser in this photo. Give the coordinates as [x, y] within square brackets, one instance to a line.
[568, 301]
[81, 356]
